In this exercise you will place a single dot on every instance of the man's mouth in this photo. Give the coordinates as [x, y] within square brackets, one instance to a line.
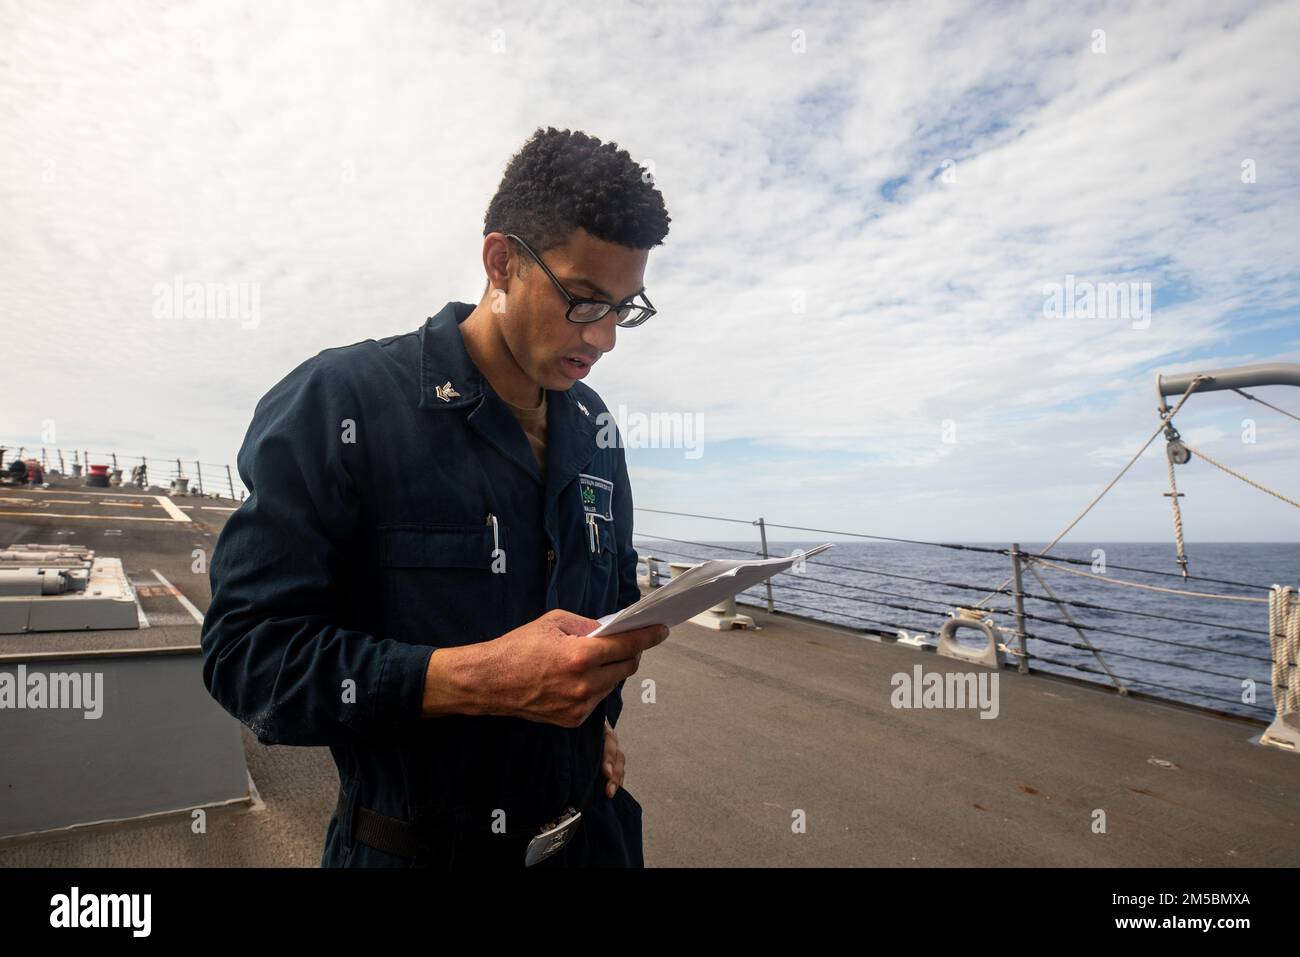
[577, 366]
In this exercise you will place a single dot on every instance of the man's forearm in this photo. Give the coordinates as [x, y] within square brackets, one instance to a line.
[463, 680]
[454, 682]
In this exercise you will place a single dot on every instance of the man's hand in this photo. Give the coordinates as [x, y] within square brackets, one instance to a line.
[613, 762]
[546, 670]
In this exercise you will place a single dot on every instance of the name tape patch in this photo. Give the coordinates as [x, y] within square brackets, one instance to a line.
[597, 495]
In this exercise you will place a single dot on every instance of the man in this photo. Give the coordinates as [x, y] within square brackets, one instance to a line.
[434, 522]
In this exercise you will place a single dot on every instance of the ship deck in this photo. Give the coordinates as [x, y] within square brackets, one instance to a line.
[748, 728]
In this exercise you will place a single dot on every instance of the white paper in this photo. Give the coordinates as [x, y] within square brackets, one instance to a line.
[696, 590]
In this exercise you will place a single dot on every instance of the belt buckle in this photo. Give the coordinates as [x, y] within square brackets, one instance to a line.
[552, 836]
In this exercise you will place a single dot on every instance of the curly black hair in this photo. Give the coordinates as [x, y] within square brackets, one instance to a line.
[561, 180]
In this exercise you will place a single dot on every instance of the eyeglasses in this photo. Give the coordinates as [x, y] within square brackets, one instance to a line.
[589, 310]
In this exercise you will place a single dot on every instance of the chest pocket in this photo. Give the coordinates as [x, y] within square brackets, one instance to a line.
[602, 575]
[440, 587]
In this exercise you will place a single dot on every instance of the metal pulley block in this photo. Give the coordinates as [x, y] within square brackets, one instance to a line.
[1177, 452]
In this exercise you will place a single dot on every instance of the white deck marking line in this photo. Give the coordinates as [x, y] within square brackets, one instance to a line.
[77, 491]
[179, 618]
[253, 796]
[77, 501]
[170, 508]
[101, 518]
[189, 605]
[217, 508]
[139, 608]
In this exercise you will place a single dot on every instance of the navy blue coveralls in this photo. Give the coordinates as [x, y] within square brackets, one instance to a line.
[366, 542]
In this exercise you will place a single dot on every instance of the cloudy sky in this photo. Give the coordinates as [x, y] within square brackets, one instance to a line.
[870, 206]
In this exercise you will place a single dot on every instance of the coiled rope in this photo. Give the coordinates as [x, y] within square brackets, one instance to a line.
[1284, 636]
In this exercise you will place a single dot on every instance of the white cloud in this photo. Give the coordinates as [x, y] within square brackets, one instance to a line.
[342, 158]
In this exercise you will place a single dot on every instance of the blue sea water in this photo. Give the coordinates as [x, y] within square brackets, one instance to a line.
[1179, 647]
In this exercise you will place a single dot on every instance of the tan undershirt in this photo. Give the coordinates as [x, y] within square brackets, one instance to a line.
[534, 425]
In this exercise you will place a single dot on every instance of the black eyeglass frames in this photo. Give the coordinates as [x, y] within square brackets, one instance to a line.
[583, 310]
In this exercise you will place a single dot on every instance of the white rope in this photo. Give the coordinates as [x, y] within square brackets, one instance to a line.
[1178, 517]
[1284, 636]
[1167, 591]
[1164, 421]
[1262, 488]
[1119, 685]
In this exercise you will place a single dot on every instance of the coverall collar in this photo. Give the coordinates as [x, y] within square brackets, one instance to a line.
[571, 425]
[445, 362]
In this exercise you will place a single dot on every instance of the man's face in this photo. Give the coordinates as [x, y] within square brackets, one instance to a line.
[542, 341]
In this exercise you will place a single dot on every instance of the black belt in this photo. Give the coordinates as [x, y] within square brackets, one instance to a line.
[435, 837]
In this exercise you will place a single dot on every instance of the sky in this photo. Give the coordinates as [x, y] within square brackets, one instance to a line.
[876, 211]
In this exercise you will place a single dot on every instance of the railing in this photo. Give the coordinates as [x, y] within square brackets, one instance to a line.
[852, 592]
[1065, 632]
[221, 480]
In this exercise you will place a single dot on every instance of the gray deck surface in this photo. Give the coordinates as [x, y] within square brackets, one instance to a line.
[749, 726]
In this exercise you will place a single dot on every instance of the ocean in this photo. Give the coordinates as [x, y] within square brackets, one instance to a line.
[1195, 650]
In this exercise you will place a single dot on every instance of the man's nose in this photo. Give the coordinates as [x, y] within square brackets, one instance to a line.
[600, 335]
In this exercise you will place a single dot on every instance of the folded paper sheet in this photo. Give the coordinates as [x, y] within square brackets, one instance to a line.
[697, 590]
